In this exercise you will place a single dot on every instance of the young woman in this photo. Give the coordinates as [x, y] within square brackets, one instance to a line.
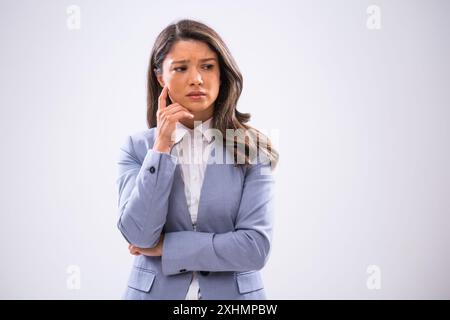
[196, 190]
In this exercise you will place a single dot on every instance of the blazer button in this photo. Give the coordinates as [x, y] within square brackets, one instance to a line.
[204, 273]
[183, 270]
[152, 169]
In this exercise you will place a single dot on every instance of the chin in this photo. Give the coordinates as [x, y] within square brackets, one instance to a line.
[196, 106]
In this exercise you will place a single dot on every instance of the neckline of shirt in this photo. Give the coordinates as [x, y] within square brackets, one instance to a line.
[181, 130]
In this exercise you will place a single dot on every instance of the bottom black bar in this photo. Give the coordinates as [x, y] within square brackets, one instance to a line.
[217, 309]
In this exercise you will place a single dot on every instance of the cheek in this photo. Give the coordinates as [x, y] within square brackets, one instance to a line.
[215, 83]
[212, 80]
[175, 87]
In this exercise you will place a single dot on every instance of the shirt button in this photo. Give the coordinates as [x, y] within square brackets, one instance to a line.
[152, 169]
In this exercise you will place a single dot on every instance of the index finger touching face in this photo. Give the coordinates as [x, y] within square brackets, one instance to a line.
[162, 98]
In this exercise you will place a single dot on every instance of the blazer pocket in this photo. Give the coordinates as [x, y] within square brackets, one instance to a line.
[249, 281]
[141, 279]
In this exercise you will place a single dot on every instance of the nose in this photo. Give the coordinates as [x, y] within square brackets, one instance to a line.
[195, 78]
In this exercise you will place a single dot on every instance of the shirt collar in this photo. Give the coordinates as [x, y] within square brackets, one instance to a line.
[201, 127]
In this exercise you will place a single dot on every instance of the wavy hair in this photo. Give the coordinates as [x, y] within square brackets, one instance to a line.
[225, 114]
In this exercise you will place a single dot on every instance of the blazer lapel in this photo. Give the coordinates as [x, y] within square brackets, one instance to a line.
[179, 189]
[211, 177]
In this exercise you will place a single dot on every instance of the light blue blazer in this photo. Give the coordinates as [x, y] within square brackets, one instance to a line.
[234, 225]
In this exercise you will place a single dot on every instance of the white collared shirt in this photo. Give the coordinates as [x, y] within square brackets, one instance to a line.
[192, 148]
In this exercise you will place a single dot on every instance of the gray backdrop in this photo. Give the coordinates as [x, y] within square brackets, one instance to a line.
[357, 92]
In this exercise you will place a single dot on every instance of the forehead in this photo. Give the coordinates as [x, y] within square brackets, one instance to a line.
[189, 50]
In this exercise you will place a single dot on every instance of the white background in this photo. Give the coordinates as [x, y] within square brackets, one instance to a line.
[363, 121]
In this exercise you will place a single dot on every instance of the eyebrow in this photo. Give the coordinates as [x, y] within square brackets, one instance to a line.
[184, 61]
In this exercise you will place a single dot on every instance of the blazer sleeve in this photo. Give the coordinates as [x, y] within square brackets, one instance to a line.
[144, 190]
[244, 249]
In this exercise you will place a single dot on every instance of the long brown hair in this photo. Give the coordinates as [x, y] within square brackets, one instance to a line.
[225, 115]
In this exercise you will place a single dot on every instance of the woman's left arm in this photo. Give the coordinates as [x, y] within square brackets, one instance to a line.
[247, 248]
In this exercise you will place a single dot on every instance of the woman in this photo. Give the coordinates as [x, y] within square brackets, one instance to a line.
[196, 190]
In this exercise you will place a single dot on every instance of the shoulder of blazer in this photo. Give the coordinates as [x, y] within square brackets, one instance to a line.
[141, 142]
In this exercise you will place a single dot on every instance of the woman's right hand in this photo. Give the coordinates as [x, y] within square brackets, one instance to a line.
[167, 117]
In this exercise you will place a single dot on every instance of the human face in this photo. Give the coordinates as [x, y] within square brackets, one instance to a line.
[190, 66]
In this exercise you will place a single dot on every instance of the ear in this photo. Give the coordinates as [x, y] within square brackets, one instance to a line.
[160, 79]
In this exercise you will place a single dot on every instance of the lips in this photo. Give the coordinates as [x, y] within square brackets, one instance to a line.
[196, 93]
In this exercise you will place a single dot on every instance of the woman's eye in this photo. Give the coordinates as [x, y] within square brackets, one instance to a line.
[205, 67]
